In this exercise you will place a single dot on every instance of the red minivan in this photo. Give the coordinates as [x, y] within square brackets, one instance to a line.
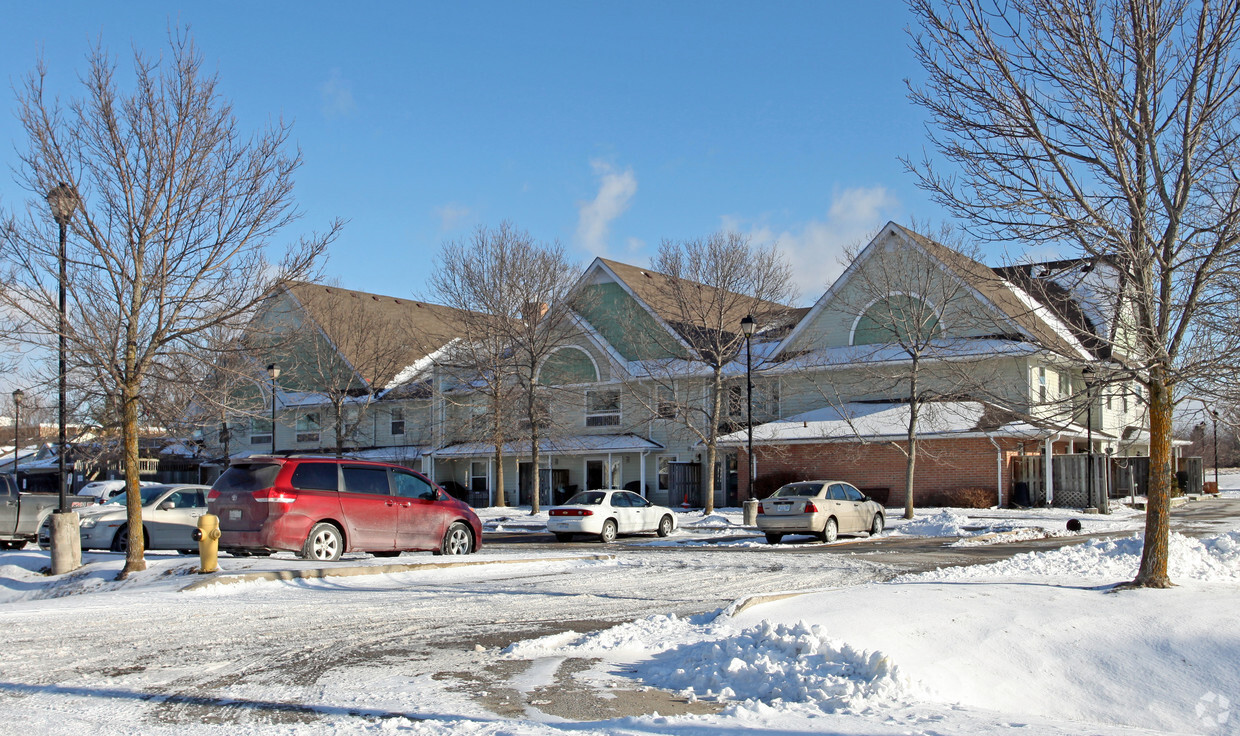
[321, 507]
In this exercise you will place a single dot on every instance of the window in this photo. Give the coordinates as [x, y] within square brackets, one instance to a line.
[852, 494]
[411, 486]
[1065, 386]
[603, 408]
[542, 413]
[365, 480]
[1109, 401]
[766, 400]
[736, 402]
[308, 427]
[837, 493]
[315, 477]
[666, 407]
[260, 431]
[664, 473]
[1042, 384]
[901, 319]
[398, 420]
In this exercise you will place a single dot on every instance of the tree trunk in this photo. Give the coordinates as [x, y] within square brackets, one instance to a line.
[910, 464]
[712, 433]
[1153, 572]
[497, 438]
[534, 454]
[134, 559]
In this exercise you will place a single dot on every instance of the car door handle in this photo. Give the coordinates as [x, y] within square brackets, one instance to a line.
[406, 505]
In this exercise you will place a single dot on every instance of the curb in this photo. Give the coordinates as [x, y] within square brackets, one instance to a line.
[328, 572]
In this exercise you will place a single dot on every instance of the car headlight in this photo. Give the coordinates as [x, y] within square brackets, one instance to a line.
[88, 522]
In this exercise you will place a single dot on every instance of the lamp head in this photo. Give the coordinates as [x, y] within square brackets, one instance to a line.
[63, 200]
[747, 325]
[18, 395]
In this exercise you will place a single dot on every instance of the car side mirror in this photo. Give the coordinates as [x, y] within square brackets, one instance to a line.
[649, 503]
[167, 506]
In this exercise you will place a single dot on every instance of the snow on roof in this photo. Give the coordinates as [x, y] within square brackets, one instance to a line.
[403, 453]
[415, 369]
[889, 420]
[572, 445]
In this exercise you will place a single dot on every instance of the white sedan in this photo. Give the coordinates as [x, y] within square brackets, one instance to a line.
[606, 514]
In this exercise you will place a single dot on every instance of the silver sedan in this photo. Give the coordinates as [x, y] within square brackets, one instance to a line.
[170, 515]
[824, 508]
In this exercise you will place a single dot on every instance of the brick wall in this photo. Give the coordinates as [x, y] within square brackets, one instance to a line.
[944, 467]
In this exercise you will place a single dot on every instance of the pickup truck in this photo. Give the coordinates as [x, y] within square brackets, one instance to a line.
[21, 514]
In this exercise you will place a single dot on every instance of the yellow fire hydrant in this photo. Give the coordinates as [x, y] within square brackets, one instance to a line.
[208, 537]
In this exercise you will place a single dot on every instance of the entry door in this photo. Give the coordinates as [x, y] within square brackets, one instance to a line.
[369, 508]
[594, 475]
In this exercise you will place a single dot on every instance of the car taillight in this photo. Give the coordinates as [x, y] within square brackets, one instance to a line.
[271, 495]
[571, 512]
[211, 495]
[810, 508]
[760, 511]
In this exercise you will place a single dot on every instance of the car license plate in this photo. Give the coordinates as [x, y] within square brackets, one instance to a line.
[783, 506]
[234, 514]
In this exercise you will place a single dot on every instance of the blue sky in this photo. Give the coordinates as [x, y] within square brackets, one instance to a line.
[608, 126]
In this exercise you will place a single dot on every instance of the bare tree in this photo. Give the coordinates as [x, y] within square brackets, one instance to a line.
[1110, 129]
[515, 298]
[178, 207]
[703, 289]
[915, 317]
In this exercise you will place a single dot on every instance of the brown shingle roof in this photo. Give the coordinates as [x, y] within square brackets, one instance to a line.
[416, 328]
[650, 288]
[996, 287]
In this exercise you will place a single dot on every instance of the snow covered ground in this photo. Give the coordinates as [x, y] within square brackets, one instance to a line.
[772, 639]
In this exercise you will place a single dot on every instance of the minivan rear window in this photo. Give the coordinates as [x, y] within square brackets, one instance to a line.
[248, 477]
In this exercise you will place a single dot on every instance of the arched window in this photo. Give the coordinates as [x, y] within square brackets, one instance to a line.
[897, 319]
[568, 365]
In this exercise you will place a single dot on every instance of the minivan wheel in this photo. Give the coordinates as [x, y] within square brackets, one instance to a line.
[324, 543]
[457, 540]
[665, 526]
[830, 531]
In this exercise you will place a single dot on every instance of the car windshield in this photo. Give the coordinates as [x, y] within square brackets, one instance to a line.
[586, 498]
[147, 495]
[798, 489]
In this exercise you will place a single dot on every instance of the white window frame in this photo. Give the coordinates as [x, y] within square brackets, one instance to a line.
[396, 416]
[607, 417]
[257, 435]
[304, 431]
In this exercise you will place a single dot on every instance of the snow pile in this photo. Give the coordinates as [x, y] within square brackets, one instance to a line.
[1213, 559]
[777, 663]
[646, 636]
[946, 523]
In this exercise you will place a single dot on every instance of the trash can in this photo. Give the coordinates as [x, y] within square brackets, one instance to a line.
[751, 512]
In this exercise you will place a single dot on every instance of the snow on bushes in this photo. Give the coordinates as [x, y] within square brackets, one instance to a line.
[777, 663]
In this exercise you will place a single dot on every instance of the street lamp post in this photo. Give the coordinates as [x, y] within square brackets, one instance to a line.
[66, 549]
[273, 370]
[747, 326]
[18, 395]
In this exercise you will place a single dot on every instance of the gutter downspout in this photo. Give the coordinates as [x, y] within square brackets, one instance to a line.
[998, 469]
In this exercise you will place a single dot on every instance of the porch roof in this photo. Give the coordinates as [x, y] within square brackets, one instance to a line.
[582, 444]
[888, 421]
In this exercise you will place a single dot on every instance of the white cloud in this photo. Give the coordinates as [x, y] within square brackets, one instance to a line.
[337, 94]
[451, 215]
[816, 248]
[594, 218]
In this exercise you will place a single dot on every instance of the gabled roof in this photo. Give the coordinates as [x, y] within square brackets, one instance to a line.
[649, 288]
[422, 328]
[1039, 309]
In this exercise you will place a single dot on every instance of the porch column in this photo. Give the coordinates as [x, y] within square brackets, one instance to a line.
[1047, 478]
[491, 481]
[642, 469]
